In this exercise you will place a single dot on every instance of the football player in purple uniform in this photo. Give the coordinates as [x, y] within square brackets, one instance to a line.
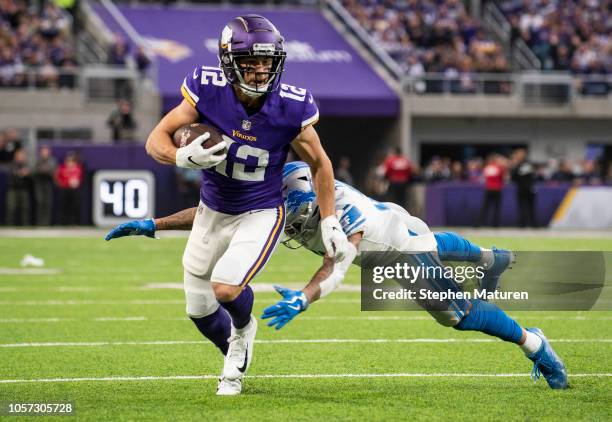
[241, 215]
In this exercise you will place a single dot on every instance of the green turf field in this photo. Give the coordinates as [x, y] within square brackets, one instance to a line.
[105, 329]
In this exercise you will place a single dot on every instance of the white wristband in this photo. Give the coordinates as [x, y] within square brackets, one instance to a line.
[332, 282]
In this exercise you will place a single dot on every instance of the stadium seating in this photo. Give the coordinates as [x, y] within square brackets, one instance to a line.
[441, 37]
[431, 36]
[35, 39]
[566, 36]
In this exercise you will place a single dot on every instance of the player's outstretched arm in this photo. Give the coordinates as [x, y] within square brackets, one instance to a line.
[159, 143]
[327, 278]
[308, 146]
[331, 274]
[182, 220]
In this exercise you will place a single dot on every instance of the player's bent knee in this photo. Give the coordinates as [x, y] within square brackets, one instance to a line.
[199, 306]
[226, 292]
[199, 296]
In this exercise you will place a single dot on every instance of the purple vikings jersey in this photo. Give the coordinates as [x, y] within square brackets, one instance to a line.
[251, 176]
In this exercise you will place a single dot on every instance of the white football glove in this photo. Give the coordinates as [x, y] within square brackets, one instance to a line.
[333, 237]
[193, 156]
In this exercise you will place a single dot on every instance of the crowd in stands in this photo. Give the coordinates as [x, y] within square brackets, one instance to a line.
[443, 169]
[33, 185]
[566, 35]
[396, 179]
[439, 36]
[37, 46]
[434, 36]
[119, 54]
[38, 37]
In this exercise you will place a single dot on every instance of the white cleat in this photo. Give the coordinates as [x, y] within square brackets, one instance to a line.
[229, 388]
[240, 352]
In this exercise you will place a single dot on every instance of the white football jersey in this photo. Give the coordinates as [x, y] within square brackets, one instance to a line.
[385, 226]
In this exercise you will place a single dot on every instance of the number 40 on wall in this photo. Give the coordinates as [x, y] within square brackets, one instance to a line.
[122, 194]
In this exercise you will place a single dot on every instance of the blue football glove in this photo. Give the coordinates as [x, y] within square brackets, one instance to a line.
[293, 302]
[133, 228]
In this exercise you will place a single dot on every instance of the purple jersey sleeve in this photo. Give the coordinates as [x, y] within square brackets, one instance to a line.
[311, 111]
[191, 87]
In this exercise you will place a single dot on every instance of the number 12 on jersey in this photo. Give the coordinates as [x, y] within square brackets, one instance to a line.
[237, 170]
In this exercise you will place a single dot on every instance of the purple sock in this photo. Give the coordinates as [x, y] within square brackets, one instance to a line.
[240, 308]
[216, 327]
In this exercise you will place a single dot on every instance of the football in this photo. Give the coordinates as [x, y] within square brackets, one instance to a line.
[188, 133]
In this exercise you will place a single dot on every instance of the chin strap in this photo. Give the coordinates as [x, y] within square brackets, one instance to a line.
[251, 93]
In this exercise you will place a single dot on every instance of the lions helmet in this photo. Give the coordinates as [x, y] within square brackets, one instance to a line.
[300, 203]
[251, 36]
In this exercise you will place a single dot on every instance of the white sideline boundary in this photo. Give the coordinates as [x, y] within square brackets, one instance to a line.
[287, 376]
[283, 341]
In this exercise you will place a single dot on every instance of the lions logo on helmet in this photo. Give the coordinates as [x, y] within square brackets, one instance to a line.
[251, 36]
[300, 203]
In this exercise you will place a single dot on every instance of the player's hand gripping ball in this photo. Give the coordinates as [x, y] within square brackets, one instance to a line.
[200, 146]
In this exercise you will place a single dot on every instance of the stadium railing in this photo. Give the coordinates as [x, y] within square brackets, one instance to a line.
[340, 13]
[534, 88]
[98, 83]
[521, 56]
[108, 83]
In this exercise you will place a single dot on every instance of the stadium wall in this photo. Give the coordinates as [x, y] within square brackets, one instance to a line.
[545, 137]
[70, 110]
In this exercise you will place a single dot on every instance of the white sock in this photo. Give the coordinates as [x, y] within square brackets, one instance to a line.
[532, 344]
[486, 258]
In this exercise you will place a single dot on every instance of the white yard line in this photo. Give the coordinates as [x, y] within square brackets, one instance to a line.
[125, 302]
[63, 232]
[29, 271]
[289, 376]
[285, 341]
[257, 287]
[30, 320]
[89, 302]
[302, 318]
[111, 319]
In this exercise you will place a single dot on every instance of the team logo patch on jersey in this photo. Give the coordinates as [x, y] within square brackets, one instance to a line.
[239, 135]
[246, 125]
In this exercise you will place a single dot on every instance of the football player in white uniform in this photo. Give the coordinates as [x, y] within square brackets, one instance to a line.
[372, 226]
